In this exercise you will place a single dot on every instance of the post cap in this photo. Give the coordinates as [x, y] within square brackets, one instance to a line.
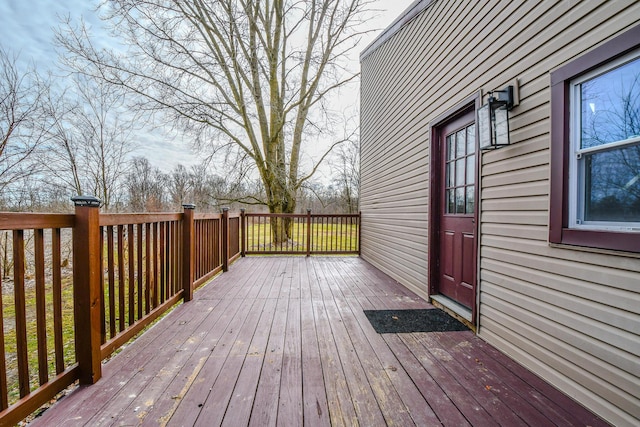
[89, 201]
[188, 206]
[225, 209]
[308, 209]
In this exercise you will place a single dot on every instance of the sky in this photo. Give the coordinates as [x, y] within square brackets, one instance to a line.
[26, 28]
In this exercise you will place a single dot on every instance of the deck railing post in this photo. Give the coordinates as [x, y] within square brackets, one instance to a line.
[87, 275]
[225, 239]
[188, 251]
[308, 232]
[243, 231]
[359, 230]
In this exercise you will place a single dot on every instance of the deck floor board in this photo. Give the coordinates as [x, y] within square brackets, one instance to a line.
[284, 341]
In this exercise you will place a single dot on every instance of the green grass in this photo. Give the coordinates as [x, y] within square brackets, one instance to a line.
[324, 237]
[8, 312]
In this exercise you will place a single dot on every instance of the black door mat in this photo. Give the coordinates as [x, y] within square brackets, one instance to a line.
[407, 321]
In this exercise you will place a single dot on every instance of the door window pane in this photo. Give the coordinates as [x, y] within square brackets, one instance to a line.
[471, 169]
[471, 139]
[451, 148]
[460, 203]
[460, 143]
[451, 203]
[470, 199]
[460, 172]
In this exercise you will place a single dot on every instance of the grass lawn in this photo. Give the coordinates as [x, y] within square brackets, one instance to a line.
[324, 237]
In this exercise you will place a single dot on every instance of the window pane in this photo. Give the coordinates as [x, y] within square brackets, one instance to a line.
[612, 185]
[610, 106]
[460, 205]
[451, 204]
[471, 169]
[471, 139]
[460, 143]
[460, 172]
[470, 199]
[451, 148]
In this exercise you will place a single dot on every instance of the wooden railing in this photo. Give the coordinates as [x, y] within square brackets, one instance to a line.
[25, 326]
[142, 263]
[301, 234]
[210, 256]
[84, 284]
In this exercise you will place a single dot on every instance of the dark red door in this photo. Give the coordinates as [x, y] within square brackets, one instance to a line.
[457, 272]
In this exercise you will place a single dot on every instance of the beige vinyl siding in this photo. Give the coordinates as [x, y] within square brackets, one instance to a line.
[572, 316]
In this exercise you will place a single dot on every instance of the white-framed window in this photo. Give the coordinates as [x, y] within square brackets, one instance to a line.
[604, 153]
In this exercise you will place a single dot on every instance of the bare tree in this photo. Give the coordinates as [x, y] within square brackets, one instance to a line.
[146, 186]
[345, 169]
[20, 131]
[90, 138]
[180, 186]
[247, 75]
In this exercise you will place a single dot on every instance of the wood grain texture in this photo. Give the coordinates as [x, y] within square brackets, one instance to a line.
[284, 341]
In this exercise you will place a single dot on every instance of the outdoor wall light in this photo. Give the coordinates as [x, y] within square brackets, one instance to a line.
[493, 119]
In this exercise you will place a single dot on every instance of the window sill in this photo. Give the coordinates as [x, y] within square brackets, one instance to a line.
[615, 243]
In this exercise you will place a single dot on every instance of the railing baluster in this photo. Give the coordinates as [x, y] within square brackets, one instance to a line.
[112, 285]
[56, 266]
[174, 257]
[41, 308]
[131, 274]
[167, 258]
[225, 239]
[4, 391]
[103, 305]
[21, 312]
[121, 287]
[139, 252]
[155, 284]
[162, 249]
[198, 248]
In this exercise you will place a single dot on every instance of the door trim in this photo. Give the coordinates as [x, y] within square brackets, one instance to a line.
[472, 103]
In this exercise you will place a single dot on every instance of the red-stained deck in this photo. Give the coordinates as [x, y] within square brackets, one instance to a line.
[284, 341]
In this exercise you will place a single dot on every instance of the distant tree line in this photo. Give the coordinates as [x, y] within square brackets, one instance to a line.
[60, 141]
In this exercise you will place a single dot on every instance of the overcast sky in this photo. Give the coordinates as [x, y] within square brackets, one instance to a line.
[26, 28]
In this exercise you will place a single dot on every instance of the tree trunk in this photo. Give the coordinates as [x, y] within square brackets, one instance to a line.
[281, 201]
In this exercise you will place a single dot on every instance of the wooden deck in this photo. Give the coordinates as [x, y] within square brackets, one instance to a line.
[284, 341]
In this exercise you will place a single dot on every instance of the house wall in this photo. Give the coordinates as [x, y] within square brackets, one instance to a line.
[571, 316]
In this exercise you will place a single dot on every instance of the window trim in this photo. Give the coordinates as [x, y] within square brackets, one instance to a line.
[561, 79]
